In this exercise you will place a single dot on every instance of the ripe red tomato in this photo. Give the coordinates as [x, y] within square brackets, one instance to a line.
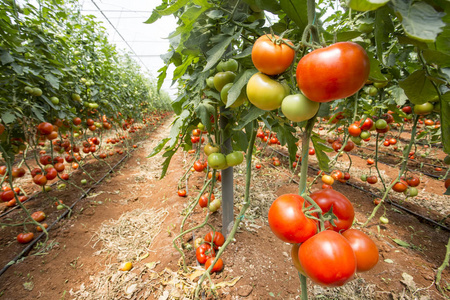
[287, 220]
[218, 266]
[413, 181]
[51, 173]
[38, 216]
[198, 166]
[337, 174]
[372, 179]
[25, 238]
[447, 183]
[349, 147]
[311, 151]
[367, 124]
[354, 130]
[407, 109]
[203, 201]
[328, 259]
[40, 179]
[45, 128]
[370, 161]
[182, 193]
[258, 166]
[272, 58]
[329, 199]
[295, 260]
[400, 186]
[334, 72]
[365, 249]
[218, 240]
[336, 146]
[203, 252]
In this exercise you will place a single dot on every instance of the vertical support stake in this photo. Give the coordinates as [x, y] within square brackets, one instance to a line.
[227, 183]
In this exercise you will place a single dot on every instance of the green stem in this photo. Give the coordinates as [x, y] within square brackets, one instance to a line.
[303, 285]
[442, 267]
[305, 148]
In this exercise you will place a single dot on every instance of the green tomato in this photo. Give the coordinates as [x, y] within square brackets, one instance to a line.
[61, 186]
[28, 89]
[364, 134]
[222, 78]
[37, 92]
[357, 139]
[54, 100]
[364, 177]
[234, 158]
[83, 181]
[384, 220]
[217, 161]
[201, 126]
[76, 97]
[365, 27]
[372, 91]
[211, 149]
[219, 67]
[230, 65]
[380, 85]
[264, 92]
[47, 188]
[60, 206]
[240, 99]
[411, 192]
[215, 205]
[423, 109]
[381, 124]
[75, 135]
[210, 82]
[298, 108]
[93, 105]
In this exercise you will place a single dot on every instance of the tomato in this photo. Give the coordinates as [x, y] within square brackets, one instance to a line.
[388, 117]
[182, 193]
[354, 130]
[328, 259]
[198, 166]
[230, 65]
[38, 216]
[407, 109]
[264, 92]
[342, 208]
[7, 195]
[287, 220]
[365, 249]
[214, 205]
[222, 78]
[413, 181]
[45, 128]
[40, 179]
[239, 100]
[327, 179]
[234, 158]
[25, 238]
[295, 260]
[336, 146]
[334, 72]
[447, 183]
[218, 266]
[392, 141]
[384, 220]
[195, 139]
[429, 122]
[298, 108]
[423, 109]
[370, 161]
[337, 174]
[59, 167]
[381, 124]
[411, 192]
[51, 173]
[349, 147]
[208, 149]
[365, 135]
[311, 151]
[400, 186]
[258, 166]
[270, 57]
[17, 172]
[203, 252]
[218, 240]
[217, 161]
[38, 228]
[203, 201]
[346, 176]
[372, 179]
[367, 124]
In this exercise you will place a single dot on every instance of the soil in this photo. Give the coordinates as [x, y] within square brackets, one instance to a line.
[73, 263]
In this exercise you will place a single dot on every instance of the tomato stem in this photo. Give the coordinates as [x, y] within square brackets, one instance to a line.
[303, 286]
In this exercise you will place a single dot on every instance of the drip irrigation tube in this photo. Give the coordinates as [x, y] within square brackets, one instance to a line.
[419, 216]
[63, 215]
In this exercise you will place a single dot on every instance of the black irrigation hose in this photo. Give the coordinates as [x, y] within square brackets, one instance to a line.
[419, 216]
[28, 247]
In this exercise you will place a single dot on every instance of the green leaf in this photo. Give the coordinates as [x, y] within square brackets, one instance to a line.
[269, 5]
[285, 135]
[436, 57]
[324, 109]
[375, 71]
[405, 40]
[168, 155]
[366, 5]
[239, 83]
[162, 76]
[216, 53]
[38, 113]
[347, 35]
[8, 117]
[54, 82]
[445, 121]
[240, 138]
[158, 147]
[181, 70]
[401, 243]
[383, 24]
[204, 110]
[398, 94]
[159, 12]
[443, 41]
[297, 11]
[418, 87]
[321, 148]
[447, 192]
[6, 58]
[252, 114]
[419, 19]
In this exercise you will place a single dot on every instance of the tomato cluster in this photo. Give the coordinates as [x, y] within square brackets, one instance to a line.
[206, 250]
[329, 257]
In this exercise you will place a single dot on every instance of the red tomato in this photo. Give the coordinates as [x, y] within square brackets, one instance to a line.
[400, 186]
[218, 241]
[311, 151]
[25, 238]
[218, 266]
[370, 161]
[337, 174]
[272, 58]
[198, 166]
[372, 179]
[367, 124]
[447, 183]
[413, 181]
[334, 72]
[354, 130]
[203, 252]
[365, 249]
[328, 259]
[38, 216]
[329, 199]
[203, 201]
[182, 193]
[287, 220]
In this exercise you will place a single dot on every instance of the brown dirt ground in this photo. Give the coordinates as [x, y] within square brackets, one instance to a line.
[257, 258]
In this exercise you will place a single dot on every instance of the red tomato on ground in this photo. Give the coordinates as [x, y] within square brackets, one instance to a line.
[218, 266]
[203, 252]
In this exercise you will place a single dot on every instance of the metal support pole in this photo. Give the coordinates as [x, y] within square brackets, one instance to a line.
[227, 183]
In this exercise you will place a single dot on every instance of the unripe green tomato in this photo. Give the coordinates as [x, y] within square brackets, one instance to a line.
[384, 220]
[200, 126]
[364, 177]
[54, 100]
[75, 135]
[381, 124]
[411, 192]
[37, 92]
[423, 109]
[47, 188]
[83, 181]
[240, 99]
[357, 139]
[215, 205]
[230, 65]
[264, 92]
[222, 78]
[60, 206]
[298, 108]
[234, 158]
[76, 97]
[28, 89]
[211, 149]
[380, 85]
[217, 161]
[61, 186]
[364, 134]
[210, 82]
[372, 91]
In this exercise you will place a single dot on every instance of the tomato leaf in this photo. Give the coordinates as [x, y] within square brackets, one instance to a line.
[204, 110]
[320, 147]
[8, 117]
[269, 5]
[297, 11]
[158, 147]
[347, 35]
[375, 71]
[366, 5]
[418, 87]
[419, 19]
[383, 24]
[436, 57]
[54, 82]
[163, 10]
[401, 243]
[285, 136]
[216, 53]
[240, 139]
[6, 58]
[252, 114]
[445, 121]
[239, 83]
[168, 155]
[399, 95]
